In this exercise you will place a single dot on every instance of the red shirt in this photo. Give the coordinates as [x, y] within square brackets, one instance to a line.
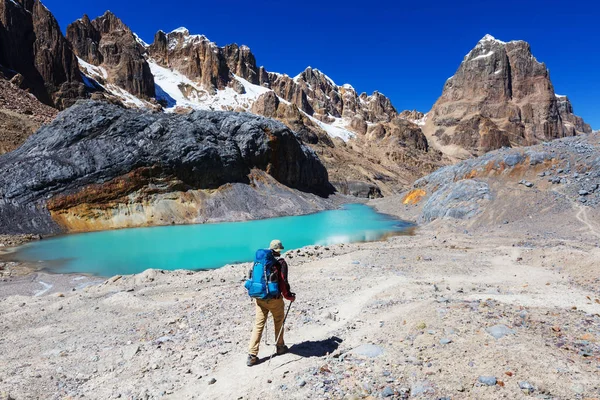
[282, 276]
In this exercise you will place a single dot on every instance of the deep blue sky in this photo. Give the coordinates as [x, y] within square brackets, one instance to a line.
[405, 50]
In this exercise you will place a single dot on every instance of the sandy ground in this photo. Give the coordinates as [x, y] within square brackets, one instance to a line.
[408, 317]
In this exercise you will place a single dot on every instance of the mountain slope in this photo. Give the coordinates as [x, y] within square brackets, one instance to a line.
[21, 114]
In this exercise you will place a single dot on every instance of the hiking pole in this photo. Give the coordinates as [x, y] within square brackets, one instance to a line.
[281, 330]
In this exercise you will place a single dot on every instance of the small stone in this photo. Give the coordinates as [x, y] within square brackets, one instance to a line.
[302, 383]
[213, 381]
[445, 341]
[499, 331]
[578, 388]
[526, 387]
[368, 350]
[583, 193]
[387, 392]
[487, 380]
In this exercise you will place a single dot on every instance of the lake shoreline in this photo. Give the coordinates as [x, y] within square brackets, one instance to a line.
[203, 246]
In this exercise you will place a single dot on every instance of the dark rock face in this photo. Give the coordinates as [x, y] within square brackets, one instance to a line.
[101, 151]
[108, 42]
[358, 189]
[32, 44]
[500, 95]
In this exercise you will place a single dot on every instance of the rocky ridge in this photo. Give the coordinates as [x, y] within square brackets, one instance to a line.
[99, 166]
[499, 96]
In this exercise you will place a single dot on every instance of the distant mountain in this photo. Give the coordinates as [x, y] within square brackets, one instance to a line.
[499, 96]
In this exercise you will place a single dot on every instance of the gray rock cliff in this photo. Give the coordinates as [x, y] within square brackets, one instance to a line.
[103, 155]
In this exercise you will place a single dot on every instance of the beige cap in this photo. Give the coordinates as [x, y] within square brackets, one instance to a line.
[276, 245]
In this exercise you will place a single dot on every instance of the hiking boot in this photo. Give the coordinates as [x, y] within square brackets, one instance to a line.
[251, 360]
[282, 349]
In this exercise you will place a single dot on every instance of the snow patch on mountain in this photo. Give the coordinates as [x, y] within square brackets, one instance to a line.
[488, 54]
[336, 129]
[92, 75]
[177, 90]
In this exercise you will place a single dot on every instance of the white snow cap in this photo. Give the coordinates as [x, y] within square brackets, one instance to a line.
[181, 29]
[490, 38]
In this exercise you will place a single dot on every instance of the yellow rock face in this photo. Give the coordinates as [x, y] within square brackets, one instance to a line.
[414, 196]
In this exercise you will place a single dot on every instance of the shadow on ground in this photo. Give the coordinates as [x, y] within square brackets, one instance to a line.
[318, 348]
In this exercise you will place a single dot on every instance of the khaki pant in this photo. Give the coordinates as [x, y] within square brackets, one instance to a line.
[263, 307]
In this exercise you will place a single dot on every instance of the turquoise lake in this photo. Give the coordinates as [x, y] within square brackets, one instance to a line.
[203, 246]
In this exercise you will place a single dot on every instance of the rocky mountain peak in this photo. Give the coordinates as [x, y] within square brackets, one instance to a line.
[500, 95]
[109, 22]
[108, 43]
[490, 38]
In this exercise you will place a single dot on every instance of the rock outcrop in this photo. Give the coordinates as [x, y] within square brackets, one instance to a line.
[499, 96]
[32, 45]
[99, 166]
[108, 43]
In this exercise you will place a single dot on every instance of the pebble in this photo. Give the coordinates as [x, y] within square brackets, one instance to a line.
[487, 380]
[445, 341]
[499, 331]
[302, 383]
[387, 392]
[578, 388]
[526, 183]
[526, 387]
[212, 381]
[368, 350]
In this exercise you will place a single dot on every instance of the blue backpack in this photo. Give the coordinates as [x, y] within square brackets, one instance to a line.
[262, 282]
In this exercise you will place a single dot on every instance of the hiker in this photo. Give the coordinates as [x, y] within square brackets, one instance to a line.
[272, 302]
